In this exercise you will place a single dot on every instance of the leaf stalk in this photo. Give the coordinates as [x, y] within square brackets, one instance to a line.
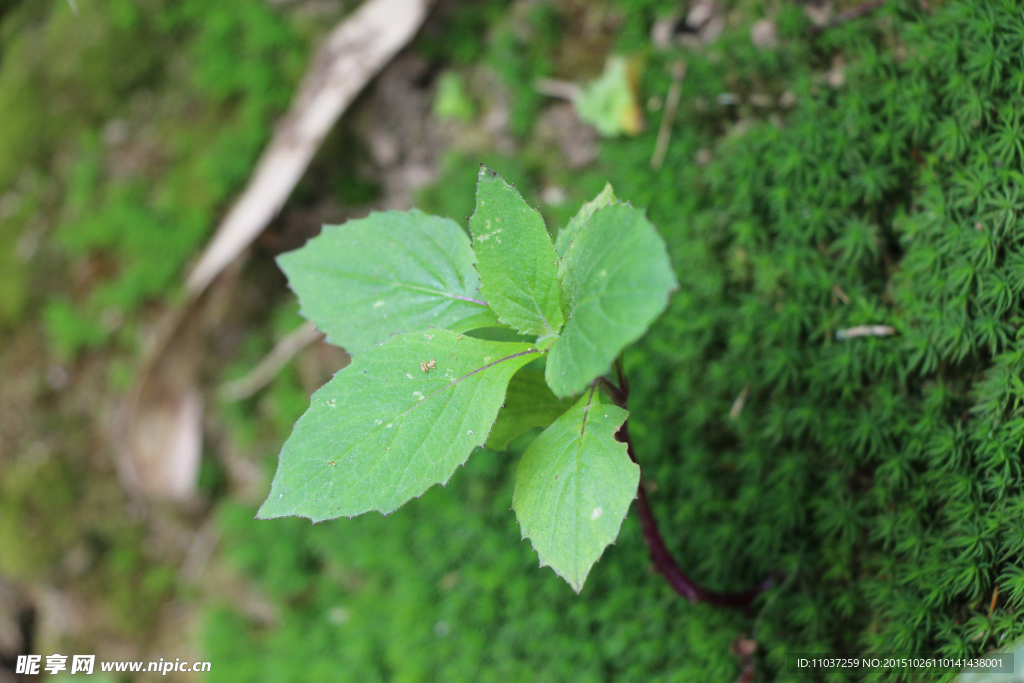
[660, 555]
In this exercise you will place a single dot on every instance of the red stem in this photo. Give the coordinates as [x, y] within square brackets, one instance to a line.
[666, 564]
[858, 11]
[662, 558]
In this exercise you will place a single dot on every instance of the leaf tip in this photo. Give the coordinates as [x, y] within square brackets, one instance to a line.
[266, 511]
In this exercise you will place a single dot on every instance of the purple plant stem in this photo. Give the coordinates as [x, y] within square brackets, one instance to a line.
[859, 11]
[666, 564]
[662, 558]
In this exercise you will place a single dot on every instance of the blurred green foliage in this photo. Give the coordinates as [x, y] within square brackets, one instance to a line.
[460, 33]
[25, 516]
[451, 100]
[143, 151]
[521, 51]
[442, 590]
[125, 131]
[869, 174]
[882, 475]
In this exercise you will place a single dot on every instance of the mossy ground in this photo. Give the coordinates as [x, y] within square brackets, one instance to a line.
[866, 174]
[125, 130]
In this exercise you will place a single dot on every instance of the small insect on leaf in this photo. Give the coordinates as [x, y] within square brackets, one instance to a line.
[412, 286]
[396, 436]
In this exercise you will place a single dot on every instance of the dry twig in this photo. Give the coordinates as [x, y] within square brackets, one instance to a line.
[267, 369]
[562, 90]
[353, 54]
[668, 116]
[737, 405]
[158, 429]
[865, 331]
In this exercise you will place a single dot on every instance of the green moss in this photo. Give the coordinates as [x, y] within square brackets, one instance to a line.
[520, 52]
[69, 330]
[35, 530]
[195, 121]
[881, 474]
[444, 590]
[458, 32]
[60, 73]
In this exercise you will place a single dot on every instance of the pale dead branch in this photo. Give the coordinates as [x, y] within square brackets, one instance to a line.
[353, 54]
[158, 432]
[271, 364]
[563, 90]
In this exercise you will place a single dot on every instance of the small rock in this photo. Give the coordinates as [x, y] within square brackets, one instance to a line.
[115, 132]
[763, 34]
[819, 12]
[553, 195]
[56, 377]
[836, 76]
[664, 31]
[10, 204]
[711, 30]
[701, 13]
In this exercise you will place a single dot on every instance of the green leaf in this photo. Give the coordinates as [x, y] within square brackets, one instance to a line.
[515, 257]
[399, 419]
[567, 234]
[609, 103]
[385, 274]
[452, 101]
[573, 488]
[485, 318]
[616, 278]
[529, 403]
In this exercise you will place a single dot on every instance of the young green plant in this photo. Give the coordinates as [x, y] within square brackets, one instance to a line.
[403, 292]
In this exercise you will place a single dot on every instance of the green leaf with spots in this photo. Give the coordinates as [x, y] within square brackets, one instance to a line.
[567, 234]
[573, 488]
[616, 279]
[399, 419]
[515, 257]
[529, 404]
[437, 372]
[385, 274]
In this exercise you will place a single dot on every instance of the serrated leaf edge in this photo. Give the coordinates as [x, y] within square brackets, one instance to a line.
[412, 407]
[525, 535]
[280, 260]
[551, 332]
